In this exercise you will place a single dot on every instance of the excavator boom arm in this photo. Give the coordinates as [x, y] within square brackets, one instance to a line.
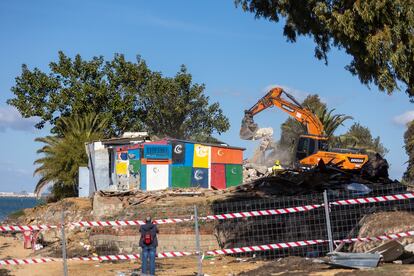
[292, 107]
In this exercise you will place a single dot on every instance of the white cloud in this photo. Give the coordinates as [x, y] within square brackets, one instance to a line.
[10, 118]
[404, 118]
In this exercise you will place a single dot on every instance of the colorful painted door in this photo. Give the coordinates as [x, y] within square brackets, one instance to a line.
[226, 156]
[178, 152]
[201, 156]
[199, 177]
[181, 176]
[157, 177]
[234, 175]
[218, 176]
[121, 167]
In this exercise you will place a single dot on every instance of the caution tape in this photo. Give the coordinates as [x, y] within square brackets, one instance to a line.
[125, 257]
[269, 212]
[236, 250]
[26, 261]
[122, 257]
[264, 247]
[125, 222]
[306, 243]
[380, 238]
[376, 199]
[263, 212]
[21, 228]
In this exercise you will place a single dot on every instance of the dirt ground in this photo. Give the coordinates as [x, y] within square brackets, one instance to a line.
[223, 265]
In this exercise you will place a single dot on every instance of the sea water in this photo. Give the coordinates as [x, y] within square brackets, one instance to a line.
[9, 205]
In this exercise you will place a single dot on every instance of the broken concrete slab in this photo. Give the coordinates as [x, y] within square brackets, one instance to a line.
[390, 251]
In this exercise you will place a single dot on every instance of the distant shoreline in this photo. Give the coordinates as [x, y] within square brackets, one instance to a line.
[18, 196]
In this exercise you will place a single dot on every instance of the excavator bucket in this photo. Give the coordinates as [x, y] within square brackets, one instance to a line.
[248, 127]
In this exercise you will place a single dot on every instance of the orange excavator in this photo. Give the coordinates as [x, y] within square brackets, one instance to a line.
[311, 148]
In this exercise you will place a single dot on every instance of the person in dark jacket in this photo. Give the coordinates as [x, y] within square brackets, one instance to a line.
[148, 243]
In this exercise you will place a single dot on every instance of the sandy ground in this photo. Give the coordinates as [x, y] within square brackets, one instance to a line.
[10, 247]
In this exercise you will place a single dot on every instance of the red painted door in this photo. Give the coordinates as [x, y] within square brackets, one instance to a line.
[218, 176]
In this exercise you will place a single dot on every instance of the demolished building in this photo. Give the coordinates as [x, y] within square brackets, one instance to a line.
[136, 162]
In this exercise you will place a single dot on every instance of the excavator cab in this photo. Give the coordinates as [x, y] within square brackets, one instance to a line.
[308, 145]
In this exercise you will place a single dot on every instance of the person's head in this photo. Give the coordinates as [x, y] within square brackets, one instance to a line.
[277, 162]
[148, 219]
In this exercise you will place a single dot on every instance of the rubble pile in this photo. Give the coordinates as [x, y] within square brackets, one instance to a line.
[261, 183]
[253, 172]
[136, 197]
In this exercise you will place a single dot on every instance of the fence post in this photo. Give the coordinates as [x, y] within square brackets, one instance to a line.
[198, 248]
[328, 220]
[62, 227]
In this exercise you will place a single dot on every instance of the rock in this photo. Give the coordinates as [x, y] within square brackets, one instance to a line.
[106, 206]
[409, 248]
[260, 169]
[50, 236]
[384, 222]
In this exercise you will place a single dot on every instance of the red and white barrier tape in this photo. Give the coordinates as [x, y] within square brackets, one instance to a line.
[236, 250]
[264, 247]
[21, 228]
[211, 217]
[380, 238]
[125, 222]
[306, 243]
[5, 228]
[171, 254]
[263, 212]
[125, 257]
[364, 200]
[26, 261]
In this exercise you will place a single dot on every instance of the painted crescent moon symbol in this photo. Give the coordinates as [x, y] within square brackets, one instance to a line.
[234, 171]
[198, 175]
[201, 151]
[220, 152]
[178, 149]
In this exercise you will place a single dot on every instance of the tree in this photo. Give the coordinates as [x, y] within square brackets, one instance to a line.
[292, 129]
[409, 149]
[330, 121]
[134, 97]
[63, 154]
[177, 108]
[377, 34]
[360, 137]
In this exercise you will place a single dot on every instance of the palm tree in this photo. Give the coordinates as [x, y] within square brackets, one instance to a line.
[63, 154]
[360, 137]
[330, 121]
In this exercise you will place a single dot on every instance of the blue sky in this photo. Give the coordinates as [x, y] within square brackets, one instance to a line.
[235, 55]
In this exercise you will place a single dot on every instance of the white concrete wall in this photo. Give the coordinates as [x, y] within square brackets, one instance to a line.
[83, 182]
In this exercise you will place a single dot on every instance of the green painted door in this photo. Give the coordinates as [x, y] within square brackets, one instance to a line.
[234, 175]
[181, 176]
